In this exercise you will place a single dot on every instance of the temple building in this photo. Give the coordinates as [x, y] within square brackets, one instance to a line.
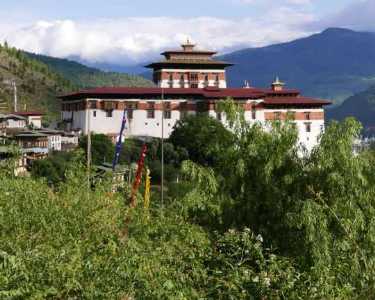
[188, 82]
[189, 68]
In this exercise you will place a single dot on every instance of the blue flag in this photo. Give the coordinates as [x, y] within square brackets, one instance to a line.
[119, 143]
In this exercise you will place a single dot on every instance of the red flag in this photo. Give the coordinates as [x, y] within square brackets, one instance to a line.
[138, 177]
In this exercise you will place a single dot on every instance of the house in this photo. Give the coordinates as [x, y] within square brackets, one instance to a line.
[188, 82]
[34, 118]
[54, 138]
[69, 141]
[33, 144]
[12, 121]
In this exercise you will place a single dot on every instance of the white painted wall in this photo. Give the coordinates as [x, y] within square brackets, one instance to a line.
[306, 139]
[140, 125]
[36, 121]
[69, 140]
[166, 83]
[201, 84]
[14, 123]
[54, 142]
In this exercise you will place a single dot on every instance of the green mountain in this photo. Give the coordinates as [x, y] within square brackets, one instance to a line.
[37, 85]
[86, 77]
[40, 79]
[334, 64]
[360, 106]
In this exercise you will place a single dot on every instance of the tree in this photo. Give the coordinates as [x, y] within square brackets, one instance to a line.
[55, 166]
[317, 209]
[102, 148]
[203, 137]
[173, 156]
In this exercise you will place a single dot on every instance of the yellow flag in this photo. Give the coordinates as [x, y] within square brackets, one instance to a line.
[146, 203]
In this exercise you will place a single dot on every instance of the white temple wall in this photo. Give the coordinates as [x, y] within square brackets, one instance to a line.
[140, 125]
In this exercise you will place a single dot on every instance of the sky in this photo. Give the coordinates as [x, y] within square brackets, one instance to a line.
[127, 32]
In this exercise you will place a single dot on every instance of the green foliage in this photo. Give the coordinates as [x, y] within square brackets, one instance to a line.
[203, 138]
[263, 222]
[41, 79]
[360, 106]
[38, 86]
[316, 209]
[102, 148]
[54, 167]
[243, 269]
[86, 77]
[173, 156]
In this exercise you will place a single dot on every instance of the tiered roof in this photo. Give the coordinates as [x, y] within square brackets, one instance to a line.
[189, 57]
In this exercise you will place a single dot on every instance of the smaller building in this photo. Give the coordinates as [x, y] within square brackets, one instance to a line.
[69, 141]
[54, 139]
[33, 144]
[20, 164]
[33, 118]
[12, 121]
[119, 177]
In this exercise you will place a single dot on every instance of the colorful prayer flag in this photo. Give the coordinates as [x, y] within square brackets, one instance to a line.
[119, 143]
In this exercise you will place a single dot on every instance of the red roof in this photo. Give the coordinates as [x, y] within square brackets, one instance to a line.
[210, 92]
[271, 97]
[28, 113]
[295, 100]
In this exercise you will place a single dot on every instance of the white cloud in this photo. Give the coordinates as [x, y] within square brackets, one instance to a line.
[275, 3]
[299, 2]
[357, 16]
[132, 40]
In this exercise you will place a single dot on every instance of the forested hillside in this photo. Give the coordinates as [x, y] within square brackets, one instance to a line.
[37, 85]
[84, 76]
[361, 106]
[334, 64]
[40, 79]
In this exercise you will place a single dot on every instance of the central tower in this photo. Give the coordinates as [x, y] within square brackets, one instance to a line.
[189, 68]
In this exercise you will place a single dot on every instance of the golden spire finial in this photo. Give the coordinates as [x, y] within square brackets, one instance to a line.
[278, 82]
[188, 46]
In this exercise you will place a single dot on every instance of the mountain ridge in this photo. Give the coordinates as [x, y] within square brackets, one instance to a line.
[361, 106]
[86, 77]
[333, 64]
[37, 85]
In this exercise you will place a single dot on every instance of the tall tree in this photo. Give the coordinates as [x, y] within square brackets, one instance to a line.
[203, 137]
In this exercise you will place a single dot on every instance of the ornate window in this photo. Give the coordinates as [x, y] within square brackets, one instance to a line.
[130, 107]
[253, 113]
[109, 113]
[291, 115]
[308, 126]
[150, 110]
[167, 110]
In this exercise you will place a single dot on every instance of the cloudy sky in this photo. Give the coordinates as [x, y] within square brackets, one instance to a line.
[131, 31]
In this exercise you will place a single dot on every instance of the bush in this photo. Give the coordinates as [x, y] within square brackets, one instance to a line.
[102, 148]
[268, 224]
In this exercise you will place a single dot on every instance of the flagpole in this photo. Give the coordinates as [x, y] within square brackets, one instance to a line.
[118, 147]
[88, 150]
[162, 147]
